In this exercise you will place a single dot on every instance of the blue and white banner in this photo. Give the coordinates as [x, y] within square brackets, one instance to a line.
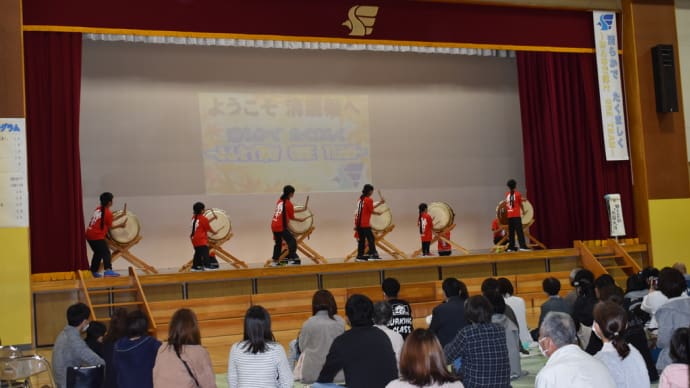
[610, 89]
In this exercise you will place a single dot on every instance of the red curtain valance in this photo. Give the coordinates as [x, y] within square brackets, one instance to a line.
[395, 20]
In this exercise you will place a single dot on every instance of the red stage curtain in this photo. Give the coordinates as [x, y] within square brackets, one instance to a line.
[565, 166]
[53, 84]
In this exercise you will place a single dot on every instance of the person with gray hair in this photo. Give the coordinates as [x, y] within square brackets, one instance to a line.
[567, 366]
[383, 312]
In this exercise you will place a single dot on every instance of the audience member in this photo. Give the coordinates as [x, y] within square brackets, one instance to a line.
[551, 287]
[602, 281]
[511, 332]
[684, 270]
[94, 337]
[317, 335]
[182, 361]
[401, 322]
[567, 366]
[449, 317]
[382, 315]
[517, 304]
[625, 363]
[654, 298]
[671, 315]
[117, 328]
[422, 364]
[69, 349]
[571, 296]
[364, 352]
[481, 348]
[135, 355]
[258, 360]
[492, 285]
[583, 308]
[677, 374]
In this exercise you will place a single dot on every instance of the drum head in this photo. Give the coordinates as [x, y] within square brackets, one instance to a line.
[297, 227]
[526, 213]
[442, 214]
[384, 220]
[221, 224]
[129, 232]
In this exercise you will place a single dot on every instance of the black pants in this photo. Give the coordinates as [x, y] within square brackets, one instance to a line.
[289, 240]
[200, 256]
[425, 248]
[515, 226]
[100, 252]
[365, 234]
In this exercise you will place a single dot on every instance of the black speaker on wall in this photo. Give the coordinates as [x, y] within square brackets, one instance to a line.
[665, 78]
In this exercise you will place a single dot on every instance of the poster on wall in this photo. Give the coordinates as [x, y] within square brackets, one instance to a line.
[615, 210]
[610, 86]
[14, 196]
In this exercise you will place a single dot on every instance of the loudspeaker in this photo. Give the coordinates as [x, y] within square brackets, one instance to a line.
[665, 78]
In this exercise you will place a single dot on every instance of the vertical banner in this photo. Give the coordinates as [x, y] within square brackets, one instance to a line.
[615, 210]
[14, 197]
[610, 89]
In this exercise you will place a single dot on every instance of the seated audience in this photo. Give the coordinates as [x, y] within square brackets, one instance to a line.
[382, 315]
[182, 361]
[625, 363]
[517, 304]
[567, 366]
[70, 349]
[572, 295]
[401, 322]
[654, 298]
[677, 374]
[673, 314]
[492, 285]
[117, 328]
[511, 333]
[258, 360]
[422, 364]
[363, 352]
[583, 309]
[94, 337]
[317, 335]
[481, 348]
[684, 270]
[551, 287]
[449, 317]
[135, 355]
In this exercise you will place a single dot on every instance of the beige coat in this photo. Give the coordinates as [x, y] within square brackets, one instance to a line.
[169, 371]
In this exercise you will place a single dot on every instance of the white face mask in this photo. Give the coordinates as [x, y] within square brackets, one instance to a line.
[595, 330]
[541, 349]
[83, 329]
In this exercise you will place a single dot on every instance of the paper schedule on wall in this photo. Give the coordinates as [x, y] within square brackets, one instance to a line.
[14, 196]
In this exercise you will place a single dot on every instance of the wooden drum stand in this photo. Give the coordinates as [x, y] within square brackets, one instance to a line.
[440, 236]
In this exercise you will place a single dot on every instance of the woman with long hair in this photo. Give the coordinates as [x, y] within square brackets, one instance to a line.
[283, 213]
[423, 364]
[624, 362]
[258, 360]
[182, 361]
[317, 335]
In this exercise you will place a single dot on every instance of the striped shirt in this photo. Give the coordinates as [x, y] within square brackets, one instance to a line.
[267, 369]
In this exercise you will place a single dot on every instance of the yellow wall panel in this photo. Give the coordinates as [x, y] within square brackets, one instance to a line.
[670, 231]
[15, 286]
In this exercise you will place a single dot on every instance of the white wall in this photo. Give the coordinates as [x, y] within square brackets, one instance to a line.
[683, 28]
[443, 128]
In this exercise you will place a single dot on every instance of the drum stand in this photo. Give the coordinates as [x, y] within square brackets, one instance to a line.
[119, 249]
[304, 248]
[220, 252]
[529, 239]
[439, 236]
[382, 243]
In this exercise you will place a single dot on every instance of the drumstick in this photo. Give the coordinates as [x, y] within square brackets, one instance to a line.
[125, 209]
[381, 196]
[306, 203]
[219, 229]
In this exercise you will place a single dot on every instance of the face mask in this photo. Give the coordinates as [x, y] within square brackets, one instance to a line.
[541, 349]
[83, 329]
[595, 330]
